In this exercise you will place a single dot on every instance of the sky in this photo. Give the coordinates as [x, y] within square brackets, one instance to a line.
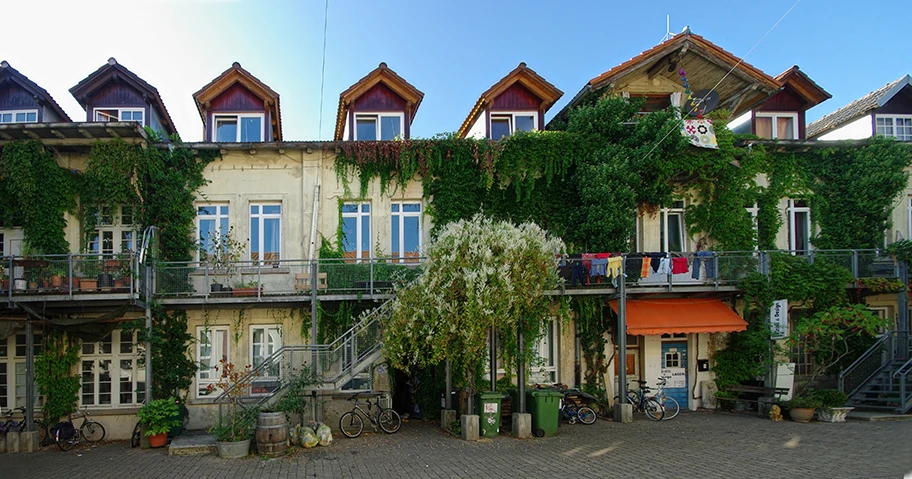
[452, 51]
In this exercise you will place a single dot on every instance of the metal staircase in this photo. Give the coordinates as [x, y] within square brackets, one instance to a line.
[343, 365]
[881, 379]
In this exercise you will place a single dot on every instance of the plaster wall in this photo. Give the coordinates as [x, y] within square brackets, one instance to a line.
[856, 130]
[478, 129]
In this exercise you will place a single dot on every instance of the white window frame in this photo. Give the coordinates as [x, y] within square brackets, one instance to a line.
[546, 368]
[15, 361]
[120, 233]
[883, 312]
[359, 216]
[792, 210]
[774, 129]
[11, 241]
[909, 217]
[135, 375]
[238, 117]
[261, 218]
[16, 112]
[665, 213]
[377, 116]
[893, 117]
[267, 381]
[402, 215]
[210, 375]
[120, 112]
[754, 212]
[511, 116]
[217, 218]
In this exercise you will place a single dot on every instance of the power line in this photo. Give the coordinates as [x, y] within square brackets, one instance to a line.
[323, 70]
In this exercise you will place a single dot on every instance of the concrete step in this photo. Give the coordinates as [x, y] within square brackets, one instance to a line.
[192, 444]
[878, 416]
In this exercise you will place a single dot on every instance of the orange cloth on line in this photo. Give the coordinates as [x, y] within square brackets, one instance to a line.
[680, 315]
[644, 273]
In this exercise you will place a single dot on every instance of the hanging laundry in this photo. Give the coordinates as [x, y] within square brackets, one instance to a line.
[602, 255]
[587, 260]
[664, 266]
[701, 257]
[644, 273]
[614, 267]
[679, 266]
[656, 260]
[599, 267]
[633, 266]
[578, 274]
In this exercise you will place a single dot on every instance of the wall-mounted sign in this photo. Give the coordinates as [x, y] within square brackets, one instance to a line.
[779, 319]
[674, 377]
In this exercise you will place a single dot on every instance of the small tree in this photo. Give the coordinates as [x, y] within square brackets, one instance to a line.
[481, 275]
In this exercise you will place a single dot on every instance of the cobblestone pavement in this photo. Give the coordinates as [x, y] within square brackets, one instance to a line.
[699, 445]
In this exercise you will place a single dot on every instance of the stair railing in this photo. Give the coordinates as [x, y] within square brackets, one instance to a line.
[905, 392]
[891, 346]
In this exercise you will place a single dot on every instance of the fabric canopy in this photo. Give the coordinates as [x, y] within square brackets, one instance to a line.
[680, 315]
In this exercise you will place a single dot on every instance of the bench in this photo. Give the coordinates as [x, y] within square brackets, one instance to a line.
[763, 394]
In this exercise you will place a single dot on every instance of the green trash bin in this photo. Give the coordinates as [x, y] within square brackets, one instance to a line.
[487, 406]
[544, 406]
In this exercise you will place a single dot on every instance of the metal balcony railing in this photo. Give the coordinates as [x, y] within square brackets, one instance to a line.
[69, 275]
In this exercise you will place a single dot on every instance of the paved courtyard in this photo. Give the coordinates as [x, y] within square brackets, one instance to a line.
[699, 445]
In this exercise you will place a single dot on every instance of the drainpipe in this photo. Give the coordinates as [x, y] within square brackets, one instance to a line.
[622, 333]
[29, 373]
[902, 316]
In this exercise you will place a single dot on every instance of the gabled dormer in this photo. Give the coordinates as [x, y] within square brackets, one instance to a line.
[113, 93]
[518, 101]
[237, 107]
[886, 111]
[23, 101]
[380, 106]
[782, 116]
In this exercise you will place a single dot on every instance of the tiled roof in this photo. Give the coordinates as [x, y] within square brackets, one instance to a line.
[380, 74]
[857, 108]
[6, 69]
[237, 74]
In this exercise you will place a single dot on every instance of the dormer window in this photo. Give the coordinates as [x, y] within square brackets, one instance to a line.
[777, 126]
[243, 128]
[119, 114]
[504, 125]
[380, 126]
[19, 116]
[894, 126]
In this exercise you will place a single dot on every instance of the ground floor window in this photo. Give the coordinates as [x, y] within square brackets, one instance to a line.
[212, 346]
[264, 342]
[13, 371]
[111, 371]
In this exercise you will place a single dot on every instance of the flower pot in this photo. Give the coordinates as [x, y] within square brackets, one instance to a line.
[56, 281]
[158, 440]
[245, 291]
[88, 284]
[833, 414]
[801, 414]
[233, 450]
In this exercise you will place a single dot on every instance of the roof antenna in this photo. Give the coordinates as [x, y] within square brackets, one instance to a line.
[668, 33]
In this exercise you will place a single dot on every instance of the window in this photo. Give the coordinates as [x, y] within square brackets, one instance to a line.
[884, 312]
[19, 116]
[119, 114]
[753, 211]
[672, 227]
[804, 360]
[895, 126]
[379, 126]
[264, 342]
[406, 231]
[19, 370]
[211, 222]
[211, 347]
[799, 222]
[238, 128]
[111, 371]
[115, 231]
[781, 126]
[544, 369]
[504, 125]
[356, 231]
[909, 217]
[265, 232]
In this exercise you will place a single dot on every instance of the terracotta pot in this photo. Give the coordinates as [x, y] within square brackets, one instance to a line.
[158, 440]
[88, 284]
[801, 414]
[56, 281]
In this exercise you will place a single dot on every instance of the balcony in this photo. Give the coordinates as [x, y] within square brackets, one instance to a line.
[69, 278]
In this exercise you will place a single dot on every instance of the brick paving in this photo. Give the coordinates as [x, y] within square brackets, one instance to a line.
[699, 445]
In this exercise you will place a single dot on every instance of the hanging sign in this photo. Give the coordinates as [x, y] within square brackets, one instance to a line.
[779, 319]
[674, 377]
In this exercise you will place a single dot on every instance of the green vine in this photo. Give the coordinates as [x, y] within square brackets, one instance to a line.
[54, 374]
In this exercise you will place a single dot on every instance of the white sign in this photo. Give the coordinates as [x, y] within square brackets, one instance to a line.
[779, 319]
[674, 377]
[490, 408]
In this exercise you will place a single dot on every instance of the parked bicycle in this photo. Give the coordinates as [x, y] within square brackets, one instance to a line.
[573, 411]
[66, 435]
[12, 425]
[643, 403]
[351, 423]
[670, 404]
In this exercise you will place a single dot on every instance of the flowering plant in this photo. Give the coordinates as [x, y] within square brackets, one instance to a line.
[238, 423]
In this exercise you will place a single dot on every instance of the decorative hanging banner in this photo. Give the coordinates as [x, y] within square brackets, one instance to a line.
[779, 319]
[700, 133]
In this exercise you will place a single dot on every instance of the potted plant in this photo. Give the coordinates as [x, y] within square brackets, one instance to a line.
[58, 276]
[221, 254]
[831, 405]
[4, 279]
[235, 427]
[801, 407]
[249, 288]
[158, 417]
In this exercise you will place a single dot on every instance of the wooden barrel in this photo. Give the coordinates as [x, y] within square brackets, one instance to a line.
[271, 433]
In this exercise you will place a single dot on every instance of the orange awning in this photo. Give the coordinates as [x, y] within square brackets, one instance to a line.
[680, 315]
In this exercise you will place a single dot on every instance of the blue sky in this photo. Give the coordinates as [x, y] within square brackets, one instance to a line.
[450, 51]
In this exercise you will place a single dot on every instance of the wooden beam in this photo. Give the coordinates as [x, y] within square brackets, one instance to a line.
[5, 135]
[112, 132]
[75, 141]
[58, 134]
[85, 133]
[736, 100]
[31, 134]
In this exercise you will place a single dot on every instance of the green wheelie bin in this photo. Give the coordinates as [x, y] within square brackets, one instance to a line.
[544, 405]
[487, 406]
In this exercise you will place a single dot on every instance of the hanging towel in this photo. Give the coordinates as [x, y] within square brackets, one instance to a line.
[656, 260]
[614, 266]
[602, 255]
[679, 266]
[587, 260]
[599, 267]
[644, 273]
[664, 266]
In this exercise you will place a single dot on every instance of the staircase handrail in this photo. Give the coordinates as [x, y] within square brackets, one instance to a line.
[862, 360]
[267, 363]
[901, 373]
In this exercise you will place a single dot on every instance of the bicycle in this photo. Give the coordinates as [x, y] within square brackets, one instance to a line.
[647, 404]
[352, 425]
[66, 435]
[573, 412]
[136, 437]
[11, 425]
[670, 404]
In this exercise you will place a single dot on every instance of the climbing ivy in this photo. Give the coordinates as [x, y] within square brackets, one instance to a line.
[53, 374]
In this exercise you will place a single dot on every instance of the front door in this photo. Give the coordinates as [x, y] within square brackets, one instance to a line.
[674, 369]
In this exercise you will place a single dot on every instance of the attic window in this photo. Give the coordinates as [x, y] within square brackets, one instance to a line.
[777, 126]
[894, 126]
[378, 126]
[504, 125]
[238, 128]
[119, 114]
[20, 116]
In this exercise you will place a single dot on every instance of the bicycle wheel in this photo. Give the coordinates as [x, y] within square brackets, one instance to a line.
[41, 428]
[586, 415]
[672, 408]
[65, 444]
[137, 435]
[389, 421]
[351, 425]
[653, 409]
[92, 431]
